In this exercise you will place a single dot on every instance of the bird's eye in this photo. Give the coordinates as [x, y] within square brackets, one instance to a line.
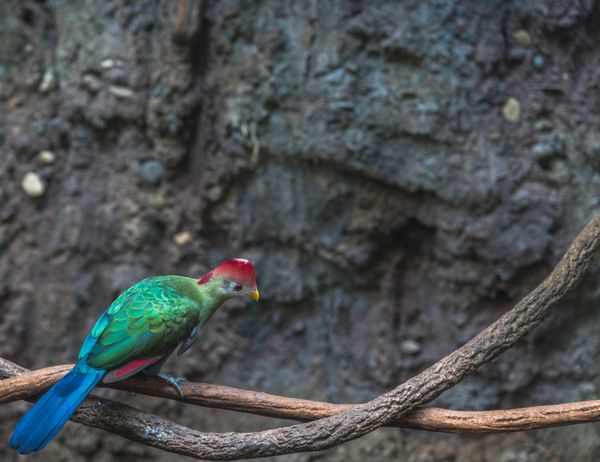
[237, 287]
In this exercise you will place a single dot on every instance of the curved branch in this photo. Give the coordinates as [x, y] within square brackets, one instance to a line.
[391, 406]
[31, 384]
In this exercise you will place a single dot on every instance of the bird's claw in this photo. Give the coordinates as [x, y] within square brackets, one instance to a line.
[173, 381]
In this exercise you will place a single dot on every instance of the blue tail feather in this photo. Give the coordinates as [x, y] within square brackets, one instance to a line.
[45, 419]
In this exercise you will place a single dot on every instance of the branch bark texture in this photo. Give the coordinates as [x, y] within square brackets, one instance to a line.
[30, 384]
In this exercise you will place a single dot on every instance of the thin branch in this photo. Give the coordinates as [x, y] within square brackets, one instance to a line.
[31, 384]
[389, 407]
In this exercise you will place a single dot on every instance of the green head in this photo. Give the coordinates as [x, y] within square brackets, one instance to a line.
[233, 278]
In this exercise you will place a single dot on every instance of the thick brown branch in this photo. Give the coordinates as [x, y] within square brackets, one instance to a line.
[391, 406]
[33, 383]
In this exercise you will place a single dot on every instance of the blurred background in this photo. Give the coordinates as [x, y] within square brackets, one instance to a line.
[400, 173]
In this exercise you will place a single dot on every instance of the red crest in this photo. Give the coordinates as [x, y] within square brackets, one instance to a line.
[237, 269]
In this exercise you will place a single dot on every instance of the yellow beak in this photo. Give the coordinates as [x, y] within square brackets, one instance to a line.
[255, 295]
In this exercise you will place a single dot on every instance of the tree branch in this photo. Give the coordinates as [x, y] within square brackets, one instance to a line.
[31, 384]
[389, 407]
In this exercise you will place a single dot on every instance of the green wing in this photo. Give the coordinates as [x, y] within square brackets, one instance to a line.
[147, 320]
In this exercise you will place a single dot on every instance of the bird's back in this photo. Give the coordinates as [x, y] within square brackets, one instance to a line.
[147, 320]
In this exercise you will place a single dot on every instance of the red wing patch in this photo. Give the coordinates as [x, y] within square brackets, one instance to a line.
[127, 370]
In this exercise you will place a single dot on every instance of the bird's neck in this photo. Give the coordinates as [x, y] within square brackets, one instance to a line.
[209, 299]
[208, 296]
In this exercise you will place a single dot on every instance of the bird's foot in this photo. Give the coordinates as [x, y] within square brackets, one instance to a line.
[173, 381]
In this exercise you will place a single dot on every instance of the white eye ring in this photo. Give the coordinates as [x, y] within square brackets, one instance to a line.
[233, 286]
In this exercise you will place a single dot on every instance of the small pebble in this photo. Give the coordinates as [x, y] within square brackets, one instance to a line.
[33, 185]
[543, 150]
[121, 92]
[543, 125]
[91, 83]
[558, 168]
[410, 347]
[522, 37]
[182, 238]
[48, 82]
[107, 63]
[153, 172]
[46, 157]
[511, 109]
[538, 61]
[214, 193]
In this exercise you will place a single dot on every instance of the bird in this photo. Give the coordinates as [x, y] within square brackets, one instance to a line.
[137, 333]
